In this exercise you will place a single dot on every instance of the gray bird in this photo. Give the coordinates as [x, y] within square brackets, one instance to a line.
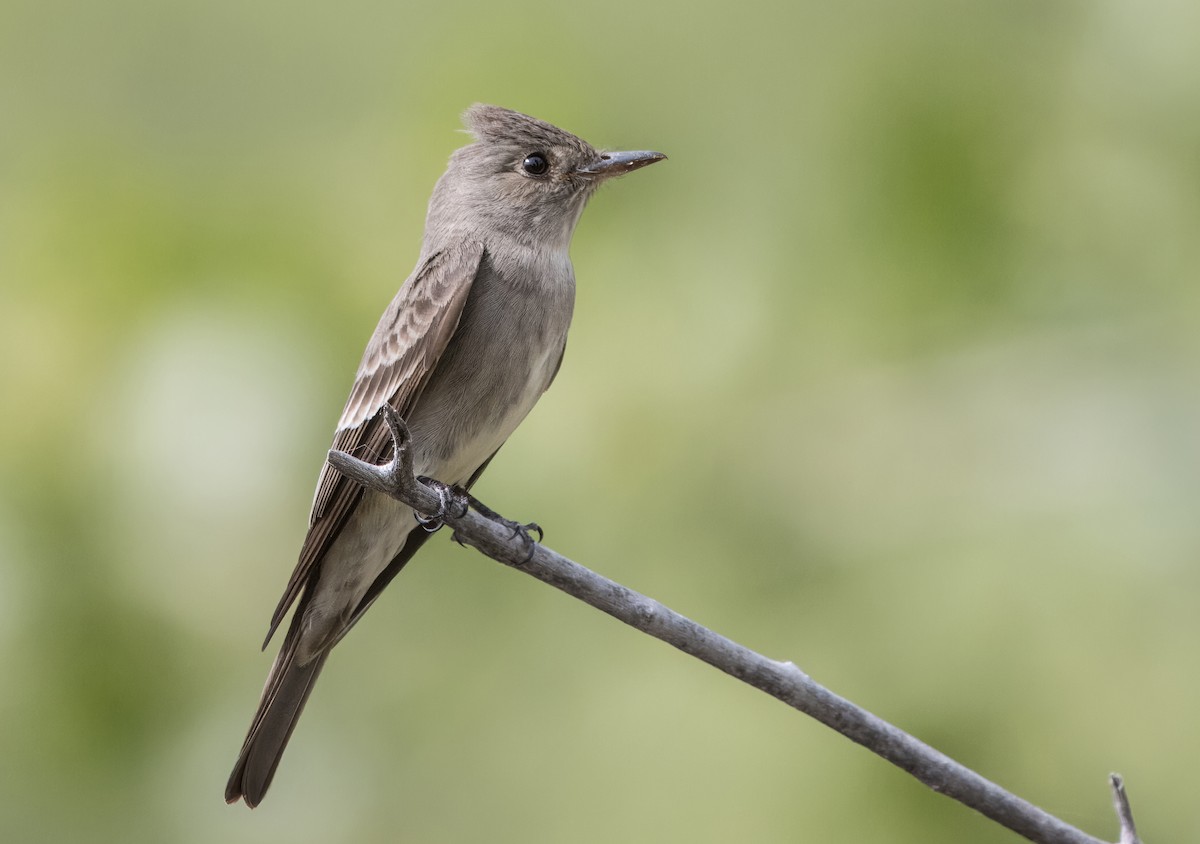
[472, 340]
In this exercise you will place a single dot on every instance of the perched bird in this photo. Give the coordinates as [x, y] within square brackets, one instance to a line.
[474, 337]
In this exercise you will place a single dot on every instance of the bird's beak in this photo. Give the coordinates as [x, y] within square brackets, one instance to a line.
[611, 164]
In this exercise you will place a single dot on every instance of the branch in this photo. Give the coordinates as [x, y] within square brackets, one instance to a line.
[782, 680]
[1124, 813]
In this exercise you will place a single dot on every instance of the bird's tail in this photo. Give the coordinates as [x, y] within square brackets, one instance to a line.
[290, 683]
[287, 689]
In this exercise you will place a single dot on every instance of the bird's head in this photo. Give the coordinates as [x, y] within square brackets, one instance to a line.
[525, 178]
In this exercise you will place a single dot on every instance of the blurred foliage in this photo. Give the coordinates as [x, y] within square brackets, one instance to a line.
[891, 370]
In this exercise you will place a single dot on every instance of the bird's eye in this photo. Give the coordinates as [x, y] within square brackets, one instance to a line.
[535, 164]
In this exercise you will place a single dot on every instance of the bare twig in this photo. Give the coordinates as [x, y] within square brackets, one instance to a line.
[782, 680]
[1124, 813]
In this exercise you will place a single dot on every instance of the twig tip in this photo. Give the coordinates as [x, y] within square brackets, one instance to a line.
[1124, 812]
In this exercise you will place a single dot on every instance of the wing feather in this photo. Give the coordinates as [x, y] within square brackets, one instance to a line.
[405, 348]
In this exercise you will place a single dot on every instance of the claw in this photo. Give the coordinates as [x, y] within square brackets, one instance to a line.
[535, 526]
[429, 525]
[448, 496]
[517, 528]
[529, 541]
[522, 531]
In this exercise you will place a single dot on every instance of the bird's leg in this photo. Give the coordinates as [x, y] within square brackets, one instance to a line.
[453, 502]
[518, 529]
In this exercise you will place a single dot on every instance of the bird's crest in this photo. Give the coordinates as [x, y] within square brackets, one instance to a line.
[495, 125]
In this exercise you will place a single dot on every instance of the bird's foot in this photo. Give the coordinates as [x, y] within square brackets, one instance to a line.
[453, 502]
[517, 529]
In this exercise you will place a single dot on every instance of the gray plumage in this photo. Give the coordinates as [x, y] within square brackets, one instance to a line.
[474, 337]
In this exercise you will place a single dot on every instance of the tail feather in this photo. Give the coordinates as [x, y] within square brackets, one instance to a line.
[287, 689]
[288, 686]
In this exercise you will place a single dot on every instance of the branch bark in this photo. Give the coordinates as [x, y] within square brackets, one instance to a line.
[782, 680]
[1124, 813]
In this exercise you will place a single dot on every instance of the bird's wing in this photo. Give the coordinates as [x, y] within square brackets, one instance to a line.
[403, 351]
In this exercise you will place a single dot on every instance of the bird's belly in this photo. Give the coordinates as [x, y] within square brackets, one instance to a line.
[470, 408]
[477, 436]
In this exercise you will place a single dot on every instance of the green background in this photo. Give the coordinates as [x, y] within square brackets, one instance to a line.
[890, 371]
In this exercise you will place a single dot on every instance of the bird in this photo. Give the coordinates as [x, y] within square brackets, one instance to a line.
[472, 339]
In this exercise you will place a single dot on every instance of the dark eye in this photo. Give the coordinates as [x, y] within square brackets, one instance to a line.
[535, 164]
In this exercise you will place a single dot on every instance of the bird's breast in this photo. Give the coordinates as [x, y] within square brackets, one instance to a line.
[499, 361]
